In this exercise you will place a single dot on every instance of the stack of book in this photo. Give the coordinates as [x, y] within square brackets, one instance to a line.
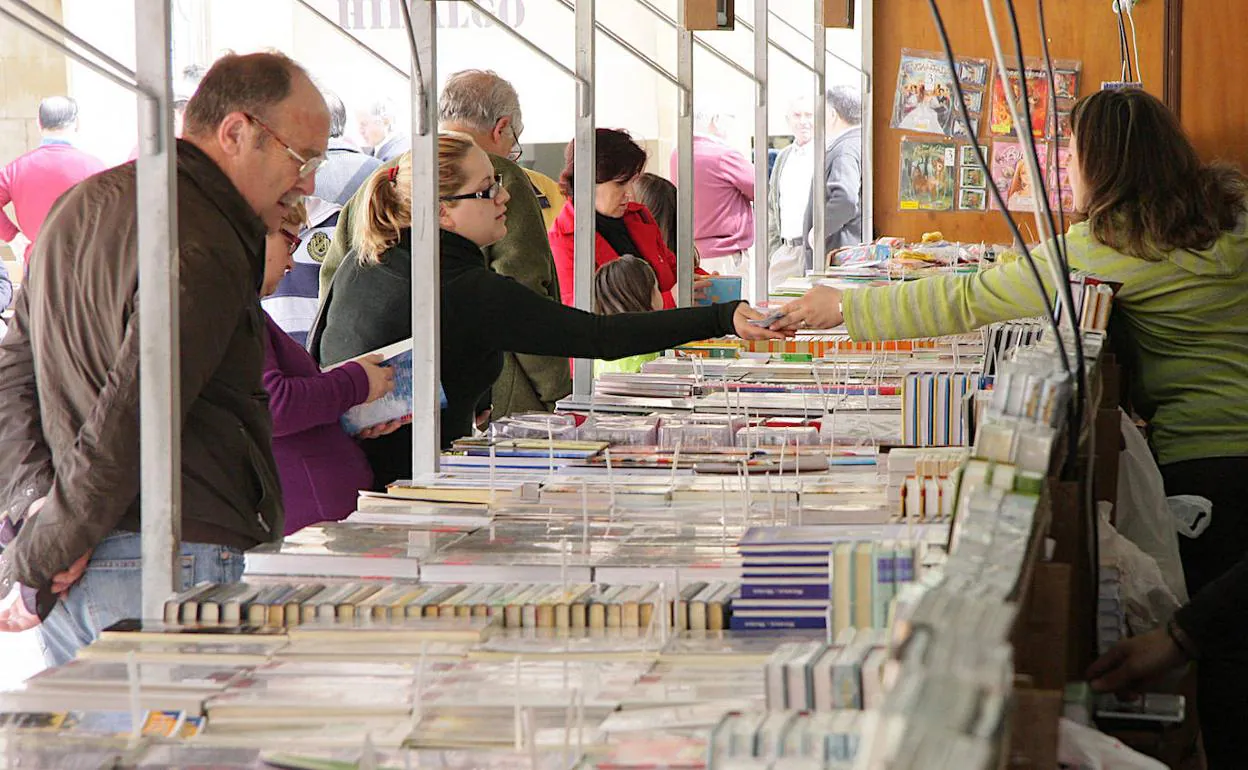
[645, 385]
[352, 550]
[922, 483]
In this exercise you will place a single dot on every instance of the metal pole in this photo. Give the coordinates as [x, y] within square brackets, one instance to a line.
[684, 164]
[585, 171]
[160, 386]
[636, 52]
[818, 186]
[421, 24]
[867, 17]
[762, 259]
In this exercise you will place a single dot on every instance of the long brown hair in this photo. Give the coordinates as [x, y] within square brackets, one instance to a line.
[1147, 192]
[388, 196]
[624, 285]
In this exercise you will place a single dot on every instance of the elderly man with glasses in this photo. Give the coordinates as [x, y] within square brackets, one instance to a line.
[255, 133]
[486, 107]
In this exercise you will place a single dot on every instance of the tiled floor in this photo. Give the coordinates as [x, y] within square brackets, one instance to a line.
[19, 658]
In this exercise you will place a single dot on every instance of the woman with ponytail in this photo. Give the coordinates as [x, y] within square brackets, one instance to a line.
[483, 314]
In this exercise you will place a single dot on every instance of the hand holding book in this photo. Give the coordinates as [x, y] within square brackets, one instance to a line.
[380, 377]
[748, 331]
[819, 308]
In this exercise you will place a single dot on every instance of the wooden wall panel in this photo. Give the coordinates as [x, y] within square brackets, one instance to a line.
[1214, 105]
[1085, 30]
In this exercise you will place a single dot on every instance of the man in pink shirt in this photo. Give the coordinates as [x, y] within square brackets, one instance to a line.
[35, 180]
[723, 193]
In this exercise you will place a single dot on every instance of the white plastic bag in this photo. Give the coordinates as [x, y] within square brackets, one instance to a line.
[1143, 513]
[1192, 514]
[1147, 601]
[1083, 748]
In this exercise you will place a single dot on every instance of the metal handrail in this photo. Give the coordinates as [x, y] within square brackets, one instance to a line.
[526, 42]
[51, 22]
[360, 43]
[807, 38]
[86, 61]
[659, 69]
[712, 50]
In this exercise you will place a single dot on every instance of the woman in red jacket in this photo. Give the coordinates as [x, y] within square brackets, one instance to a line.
[623, 226]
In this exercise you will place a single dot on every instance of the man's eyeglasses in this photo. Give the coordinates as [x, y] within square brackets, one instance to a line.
[517, 150]
[292, 242]
[307, 166]
[488, 194]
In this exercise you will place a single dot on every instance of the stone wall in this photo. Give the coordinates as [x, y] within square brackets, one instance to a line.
[30, 69]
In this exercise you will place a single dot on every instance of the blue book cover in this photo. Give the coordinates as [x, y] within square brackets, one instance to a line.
[395, 405]
[723, 288]
[810, 591]
[739, 623]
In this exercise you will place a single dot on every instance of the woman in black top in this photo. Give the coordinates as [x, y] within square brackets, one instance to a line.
[483, 314]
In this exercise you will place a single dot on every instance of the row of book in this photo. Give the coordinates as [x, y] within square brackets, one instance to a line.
[935, 408]
[780, 739]
[697, 606]
[818, 676]
[810, 576]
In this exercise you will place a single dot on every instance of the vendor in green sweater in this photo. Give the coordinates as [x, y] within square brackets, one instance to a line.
[485, 106]
[1173, 231]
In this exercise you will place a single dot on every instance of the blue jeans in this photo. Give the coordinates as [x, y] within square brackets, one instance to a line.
[111, 587]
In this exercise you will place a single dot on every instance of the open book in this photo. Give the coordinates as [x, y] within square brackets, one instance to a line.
[395, 405]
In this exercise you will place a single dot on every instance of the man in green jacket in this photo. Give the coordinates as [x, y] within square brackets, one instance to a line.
[484, 106]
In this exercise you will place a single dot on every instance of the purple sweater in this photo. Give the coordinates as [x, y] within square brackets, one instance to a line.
[322, 468]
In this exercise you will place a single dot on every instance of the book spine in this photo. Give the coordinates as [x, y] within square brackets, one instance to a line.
[738, 623]
[813, 591]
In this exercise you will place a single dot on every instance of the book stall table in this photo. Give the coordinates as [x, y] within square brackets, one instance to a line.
[564, 600]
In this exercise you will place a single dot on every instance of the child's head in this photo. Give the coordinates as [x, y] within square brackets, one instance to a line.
[626, 285]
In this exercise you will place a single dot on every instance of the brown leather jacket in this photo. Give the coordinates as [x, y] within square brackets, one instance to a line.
[69, 369]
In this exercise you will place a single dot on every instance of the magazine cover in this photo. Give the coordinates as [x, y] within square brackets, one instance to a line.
[1038, 96]
[1011, 175]
[1063, 181]
[927, 182]
[972, 200]
[924, 99]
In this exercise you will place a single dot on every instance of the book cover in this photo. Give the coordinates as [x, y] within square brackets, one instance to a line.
[395, 405]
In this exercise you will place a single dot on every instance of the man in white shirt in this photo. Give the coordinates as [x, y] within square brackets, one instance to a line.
[789, 195]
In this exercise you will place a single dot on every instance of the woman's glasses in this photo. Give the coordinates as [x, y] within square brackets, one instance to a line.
[488, 194]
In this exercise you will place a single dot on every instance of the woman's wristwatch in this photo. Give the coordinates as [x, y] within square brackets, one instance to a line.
[1182, 640]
